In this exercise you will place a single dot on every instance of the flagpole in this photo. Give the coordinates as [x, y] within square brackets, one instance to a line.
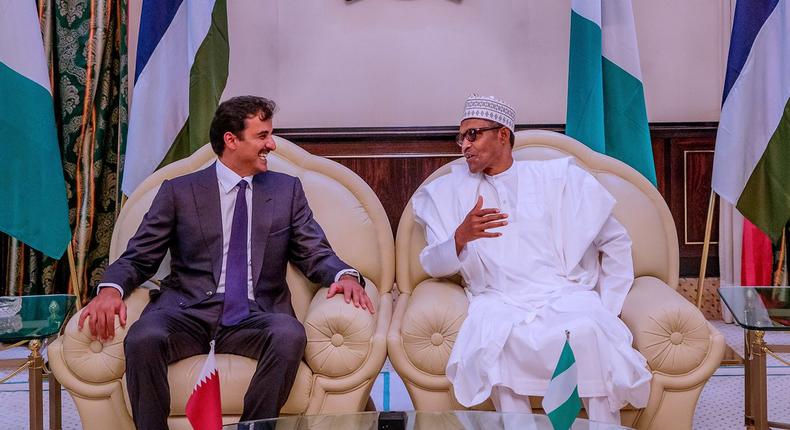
[703, 264]
[73, 276]
[781, 265]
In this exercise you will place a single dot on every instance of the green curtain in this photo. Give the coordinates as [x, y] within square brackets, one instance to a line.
[85, 41]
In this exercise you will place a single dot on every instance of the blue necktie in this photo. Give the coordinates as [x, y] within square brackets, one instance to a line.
[236, 307]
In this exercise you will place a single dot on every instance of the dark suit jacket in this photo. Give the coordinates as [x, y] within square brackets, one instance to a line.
[185, 219]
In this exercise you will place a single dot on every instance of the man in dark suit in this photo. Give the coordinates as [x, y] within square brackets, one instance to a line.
[230, 229]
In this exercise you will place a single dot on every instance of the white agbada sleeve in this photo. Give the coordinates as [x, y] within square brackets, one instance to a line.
[432, 206]
[617, 266]
[584, 207]
[588, 221]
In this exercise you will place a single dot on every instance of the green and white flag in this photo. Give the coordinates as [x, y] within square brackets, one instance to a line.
[33, 205]
[751, 164]
[561, 402]
[180, 74]
[606, 100]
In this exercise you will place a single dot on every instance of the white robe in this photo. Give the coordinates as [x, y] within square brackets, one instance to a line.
[562, 263]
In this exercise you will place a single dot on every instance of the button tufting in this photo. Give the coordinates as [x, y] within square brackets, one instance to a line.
[437, 339]
[676, 338]
[337, 339]
[96, 346]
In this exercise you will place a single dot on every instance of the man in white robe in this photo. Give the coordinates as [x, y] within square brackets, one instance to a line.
[540, 253]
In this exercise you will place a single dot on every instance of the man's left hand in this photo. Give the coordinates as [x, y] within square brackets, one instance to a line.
[352, 291]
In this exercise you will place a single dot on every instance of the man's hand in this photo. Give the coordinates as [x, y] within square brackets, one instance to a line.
[352, 291]
[476, 223]
[102, 310]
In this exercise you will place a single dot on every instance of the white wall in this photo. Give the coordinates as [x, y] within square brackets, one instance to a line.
[373, 63]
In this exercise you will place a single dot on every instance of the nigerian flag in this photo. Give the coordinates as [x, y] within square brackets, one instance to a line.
[561, 401]
[180, 74]
[751, 164]
[606, 101]
[33, 207]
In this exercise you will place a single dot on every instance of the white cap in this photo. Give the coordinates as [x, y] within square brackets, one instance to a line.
[490, 108]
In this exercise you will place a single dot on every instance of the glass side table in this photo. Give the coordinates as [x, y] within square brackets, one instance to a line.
[757, 310]
[417, 420]
[35, 320]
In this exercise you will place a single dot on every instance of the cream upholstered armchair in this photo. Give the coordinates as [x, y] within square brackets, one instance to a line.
[682, 349]
[346, 346]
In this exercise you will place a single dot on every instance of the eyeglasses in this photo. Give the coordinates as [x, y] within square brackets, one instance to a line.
[471, 134]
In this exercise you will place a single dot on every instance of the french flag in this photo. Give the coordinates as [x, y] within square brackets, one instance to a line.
[204, 407]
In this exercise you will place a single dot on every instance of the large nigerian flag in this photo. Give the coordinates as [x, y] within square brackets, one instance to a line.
[561, 401]
[33, 205]
[606, 101]
[751, 164]
[181, 71]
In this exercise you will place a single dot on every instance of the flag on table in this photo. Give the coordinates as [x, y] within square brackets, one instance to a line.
[181, 71]
[204, 407]
[606, 101]
[33, 208]
[561, 402]
[750, 165]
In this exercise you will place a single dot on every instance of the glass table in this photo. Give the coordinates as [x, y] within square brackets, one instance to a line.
[416, 420]
[757, 310]
[35, 320]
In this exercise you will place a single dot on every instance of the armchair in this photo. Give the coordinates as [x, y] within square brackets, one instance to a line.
[346, 346]
[682, 349]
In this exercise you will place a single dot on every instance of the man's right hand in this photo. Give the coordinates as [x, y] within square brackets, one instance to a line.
[477, 221]
[102, 310]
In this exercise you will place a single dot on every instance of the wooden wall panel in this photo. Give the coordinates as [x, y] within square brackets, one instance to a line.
[691, 173]
[394, 162]
[394, 179]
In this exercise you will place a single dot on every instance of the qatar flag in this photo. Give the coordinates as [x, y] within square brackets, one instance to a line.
[204, 408]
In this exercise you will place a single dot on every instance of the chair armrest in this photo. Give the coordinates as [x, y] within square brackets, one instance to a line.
[668, 330]
[339, 335]
[431, 322]
[93, 361]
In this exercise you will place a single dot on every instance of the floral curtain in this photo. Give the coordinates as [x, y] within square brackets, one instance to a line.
[85, 41]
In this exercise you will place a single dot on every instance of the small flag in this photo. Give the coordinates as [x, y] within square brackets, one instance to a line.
[561, 401]
[204, 407]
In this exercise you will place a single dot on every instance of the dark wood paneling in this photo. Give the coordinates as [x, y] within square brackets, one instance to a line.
[394, 179]
[690, 175]
[394, 161]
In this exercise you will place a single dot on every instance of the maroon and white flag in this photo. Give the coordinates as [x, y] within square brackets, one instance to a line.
[204, 407]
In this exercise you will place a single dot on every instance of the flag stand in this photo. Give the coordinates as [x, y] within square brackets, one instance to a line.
[781, 264]
[703, 264]
[73, 276]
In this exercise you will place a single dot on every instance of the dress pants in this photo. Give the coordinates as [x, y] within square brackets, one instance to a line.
[505, 400]
[165, 335]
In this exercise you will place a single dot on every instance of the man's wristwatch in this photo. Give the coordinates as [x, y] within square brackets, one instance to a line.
[353, 272]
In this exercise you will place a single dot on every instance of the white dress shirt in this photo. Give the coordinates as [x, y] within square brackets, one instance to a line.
[228, 182]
